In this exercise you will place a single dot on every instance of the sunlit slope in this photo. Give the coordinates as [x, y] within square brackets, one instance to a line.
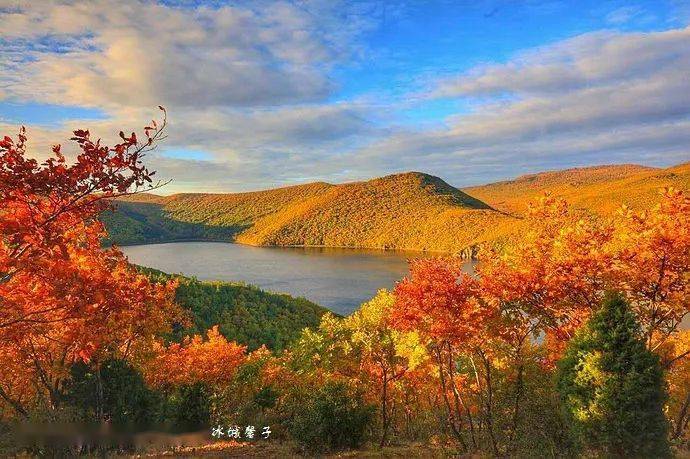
[238, 209]
[403, 211]
[412, 211]
[146, 218]
[598, 189]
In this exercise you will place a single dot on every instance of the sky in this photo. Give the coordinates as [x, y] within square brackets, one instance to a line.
[269, 93]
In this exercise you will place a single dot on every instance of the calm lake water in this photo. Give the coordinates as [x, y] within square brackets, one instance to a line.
[338, 279]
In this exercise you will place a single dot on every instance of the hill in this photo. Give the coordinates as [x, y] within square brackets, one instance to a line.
[243, 313]
[412, 211]
[145, 218]
[597, 189]
[404, 211]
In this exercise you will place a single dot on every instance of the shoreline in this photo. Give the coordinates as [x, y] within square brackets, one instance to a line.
[342, 247]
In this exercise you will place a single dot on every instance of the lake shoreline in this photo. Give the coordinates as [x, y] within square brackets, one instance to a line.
[344, 247]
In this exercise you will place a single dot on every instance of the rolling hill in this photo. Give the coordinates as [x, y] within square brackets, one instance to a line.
[597, 189]
[404, 211]
[412, 211]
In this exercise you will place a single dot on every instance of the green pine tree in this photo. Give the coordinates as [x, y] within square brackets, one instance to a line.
[612, 387]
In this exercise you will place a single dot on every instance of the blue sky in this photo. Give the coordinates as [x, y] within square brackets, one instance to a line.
[269, 93]
[446, 37]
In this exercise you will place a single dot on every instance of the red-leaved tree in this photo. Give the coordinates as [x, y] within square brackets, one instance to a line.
[63, 298]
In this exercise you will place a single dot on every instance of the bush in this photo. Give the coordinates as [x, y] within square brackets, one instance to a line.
[335, 417]
[612, 388]
[189, 408]
[124, 398]
[117, 392]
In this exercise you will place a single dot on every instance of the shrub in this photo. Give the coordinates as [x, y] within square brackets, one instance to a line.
[124, 398]
[335, 417]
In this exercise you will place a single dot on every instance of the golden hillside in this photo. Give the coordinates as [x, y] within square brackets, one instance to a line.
[597, 189]
[413, 211]
[404, 211]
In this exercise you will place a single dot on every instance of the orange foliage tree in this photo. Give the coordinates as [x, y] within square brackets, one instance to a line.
[559, 270]
[442, 303]
[213, 361]
[62, 297]
[674, 352]
[366, 352]
[545, 282]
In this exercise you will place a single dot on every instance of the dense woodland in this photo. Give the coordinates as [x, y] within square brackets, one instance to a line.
[242, 313]
[567, 342]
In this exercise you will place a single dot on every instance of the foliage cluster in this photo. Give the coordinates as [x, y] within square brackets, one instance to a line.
[63, 299]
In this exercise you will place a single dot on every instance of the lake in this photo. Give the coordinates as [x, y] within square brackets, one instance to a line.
[338, 279]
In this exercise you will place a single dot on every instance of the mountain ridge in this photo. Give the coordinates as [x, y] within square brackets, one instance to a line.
[411, 210]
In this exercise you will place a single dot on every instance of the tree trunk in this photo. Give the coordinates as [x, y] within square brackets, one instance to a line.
[516, 408]
[18, 407]
[459, 401]
[682, 418]
[99, 395]
[444, 393]
[384, 407]
[489, 404]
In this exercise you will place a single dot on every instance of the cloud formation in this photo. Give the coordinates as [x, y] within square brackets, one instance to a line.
[137, 53]
[597, 98]
[252, 85]
[248, 83]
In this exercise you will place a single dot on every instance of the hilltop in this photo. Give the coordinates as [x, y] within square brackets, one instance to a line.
[403, 211]
[413, 210]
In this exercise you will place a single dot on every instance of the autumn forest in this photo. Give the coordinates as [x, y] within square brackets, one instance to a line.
[569, 338]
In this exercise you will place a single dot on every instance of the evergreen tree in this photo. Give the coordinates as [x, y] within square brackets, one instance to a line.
[612, 386]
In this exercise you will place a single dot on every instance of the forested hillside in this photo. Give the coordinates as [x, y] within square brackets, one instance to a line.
[598, 189]
[404, 211]
[149, 218]
[243, 313]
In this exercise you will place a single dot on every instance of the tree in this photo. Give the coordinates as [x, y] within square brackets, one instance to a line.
[442, 303]
[363, 347]
[558, 271]
[64, 299]
[334, 417]
[612, 386]
[213, 361]
[379, 349]
[675, 359]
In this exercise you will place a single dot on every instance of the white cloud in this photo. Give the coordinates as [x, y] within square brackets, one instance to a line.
[136, 53]
[588, 60]
[251, 85]
[248, 83]
[597, 98]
